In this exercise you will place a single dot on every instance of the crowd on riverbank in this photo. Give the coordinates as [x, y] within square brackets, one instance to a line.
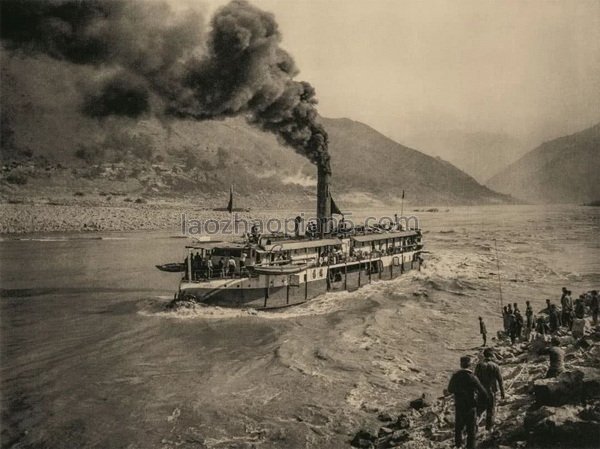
[541, 407]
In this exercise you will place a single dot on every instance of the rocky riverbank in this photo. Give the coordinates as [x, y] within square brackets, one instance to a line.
[562, 412]
[119, 213]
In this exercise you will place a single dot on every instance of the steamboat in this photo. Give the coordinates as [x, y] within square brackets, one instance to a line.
[273, 271]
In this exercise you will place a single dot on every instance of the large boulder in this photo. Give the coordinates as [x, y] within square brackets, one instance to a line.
[561, 427]
[570, 387]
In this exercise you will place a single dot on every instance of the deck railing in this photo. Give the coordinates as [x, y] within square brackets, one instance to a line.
[205, 274]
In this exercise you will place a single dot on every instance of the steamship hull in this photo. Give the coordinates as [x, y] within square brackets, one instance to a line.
[282, 290]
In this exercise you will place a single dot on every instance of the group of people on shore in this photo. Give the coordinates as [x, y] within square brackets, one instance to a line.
[475, 390]
[549, 320]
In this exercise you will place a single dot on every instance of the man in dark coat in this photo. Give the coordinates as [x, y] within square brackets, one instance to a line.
[566, 304]
[548, 307]
[490, 377]
[580, 307]
[467, 391]
[519, 320]
[512, 326]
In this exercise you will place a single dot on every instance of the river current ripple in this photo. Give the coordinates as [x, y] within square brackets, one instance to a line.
[90, 357]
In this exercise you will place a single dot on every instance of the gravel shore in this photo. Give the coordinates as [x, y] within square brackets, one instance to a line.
[159, 215]
[20, 218]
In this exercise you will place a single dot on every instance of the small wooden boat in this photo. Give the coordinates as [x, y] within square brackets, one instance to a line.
[172, 267]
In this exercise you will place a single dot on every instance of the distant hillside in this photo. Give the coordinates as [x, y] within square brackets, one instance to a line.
[564, 170]
[480, 154]
[208, 156]
[364, 158]
[58, 150]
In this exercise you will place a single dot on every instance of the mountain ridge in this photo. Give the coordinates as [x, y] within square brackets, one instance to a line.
[480, 154]
[561, 170]
[208, 156]
[58, 149]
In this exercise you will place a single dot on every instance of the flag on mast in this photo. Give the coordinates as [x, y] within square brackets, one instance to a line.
[334, 208]
[230, 205]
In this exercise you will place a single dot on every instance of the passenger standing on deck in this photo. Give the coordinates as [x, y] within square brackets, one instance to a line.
[221, 267]
[231, 266]
[490, 377]
[209, 268]
[466, 389]
[201, 266]
[483, 331]
[243, 258]
[194, 266]
[254, 233]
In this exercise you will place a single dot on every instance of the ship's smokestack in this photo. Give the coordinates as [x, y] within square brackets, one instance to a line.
[323, 200]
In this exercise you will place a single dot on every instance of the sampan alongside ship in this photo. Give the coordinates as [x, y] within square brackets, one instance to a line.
[280, 270]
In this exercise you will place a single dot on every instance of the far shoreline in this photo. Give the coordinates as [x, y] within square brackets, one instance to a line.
[41, 216]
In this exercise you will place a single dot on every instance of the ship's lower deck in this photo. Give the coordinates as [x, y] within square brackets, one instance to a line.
[281, 290]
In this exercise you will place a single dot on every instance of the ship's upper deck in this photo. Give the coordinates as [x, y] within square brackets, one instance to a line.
[281, 242]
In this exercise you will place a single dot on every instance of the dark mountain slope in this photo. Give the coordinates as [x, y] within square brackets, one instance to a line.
[564, 170]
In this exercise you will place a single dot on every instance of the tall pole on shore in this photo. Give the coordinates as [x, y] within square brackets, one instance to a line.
[499, 279]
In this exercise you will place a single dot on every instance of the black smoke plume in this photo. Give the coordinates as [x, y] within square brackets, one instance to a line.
[150, 59]
[136, 47]
[120, 95]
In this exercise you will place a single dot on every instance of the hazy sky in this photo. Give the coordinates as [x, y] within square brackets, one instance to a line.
[527, 68]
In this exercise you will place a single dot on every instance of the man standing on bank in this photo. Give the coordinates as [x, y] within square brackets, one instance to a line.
[490, 377]
[467, 391]
[483, 331]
